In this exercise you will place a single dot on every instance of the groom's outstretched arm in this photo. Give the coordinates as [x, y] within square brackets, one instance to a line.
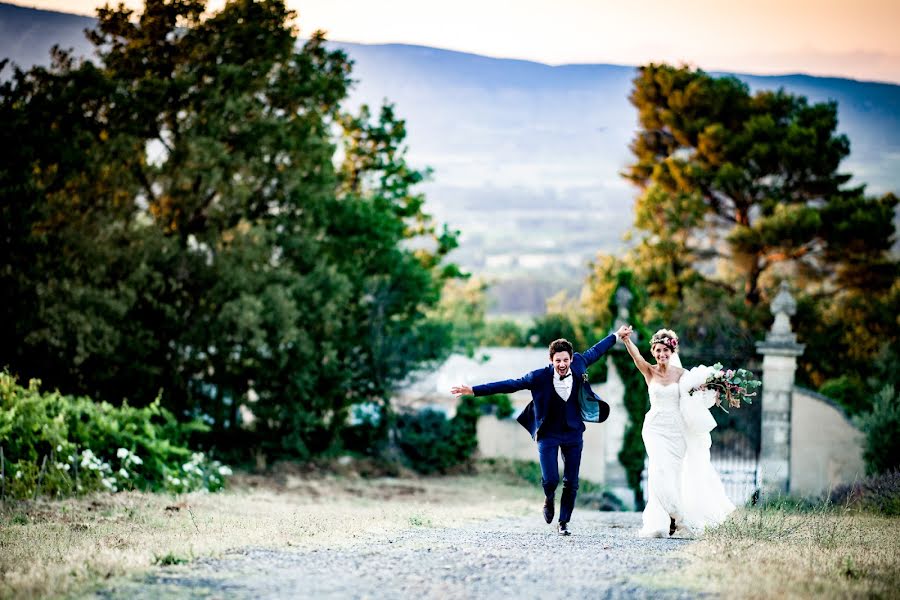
[507, 386]
[592, 354]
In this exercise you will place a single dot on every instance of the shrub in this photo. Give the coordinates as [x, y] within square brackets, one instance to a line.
[882, 428]
[434, 444]
[366, 430]
[62, 445]
[503, 333]
[849, 391]
[880, 493]
[430, 441]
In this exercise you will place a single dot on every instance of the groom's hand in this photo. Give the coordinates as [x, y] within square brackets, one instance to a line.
[623, 332]
[462, 390]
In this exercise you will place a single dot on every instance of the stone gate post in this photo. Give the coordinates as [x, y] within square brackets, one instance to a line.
[780, 351]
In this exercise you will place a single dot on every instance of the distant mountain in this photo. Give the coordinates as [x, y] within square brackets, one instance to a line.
[526, 156]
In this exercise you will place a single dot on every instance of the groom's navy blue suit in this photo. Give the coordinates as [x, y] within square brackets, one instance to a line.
[556, 423]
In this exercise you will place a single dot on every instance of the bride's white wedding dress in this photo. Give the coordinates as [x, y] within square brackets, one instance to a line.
[681, 480]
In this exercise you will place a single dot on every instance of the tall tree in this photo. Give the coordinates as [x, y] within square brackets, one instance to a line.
[175, 221]
[738, 190]
[750, 183]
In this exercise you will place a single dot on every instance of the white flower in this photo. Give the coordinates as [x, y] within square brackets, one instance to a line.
[135, 459]
[122, 452]
[59, 447]
[66, 467]
[224, 471]
[123, 473]
[18, 474]
[71, 458]
[61, 466]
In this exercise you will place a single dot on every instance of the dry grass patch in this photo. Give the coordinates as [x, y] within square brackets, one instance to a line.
[823, 553]
[52, 548]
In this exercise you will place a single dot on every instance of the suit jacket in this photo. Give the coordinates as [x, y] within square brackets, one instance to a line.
[540, 382]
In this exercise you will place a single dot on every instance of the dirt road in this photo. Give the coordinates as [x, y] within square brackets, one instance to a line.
[512, 558]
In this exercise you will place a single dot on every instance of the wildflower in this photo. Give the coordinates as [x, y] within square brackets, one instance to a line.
[123, 473]
[59, 447]
[135, 459]
[18, 474]
[122, 452]
[225, 471]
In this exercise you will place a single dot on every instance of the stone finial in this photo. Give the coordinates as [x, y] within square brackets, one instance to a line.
[784, 302]
[781, 338]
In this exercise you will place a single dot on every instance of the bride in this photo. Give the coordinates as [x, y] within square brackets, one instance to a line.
[684, 492]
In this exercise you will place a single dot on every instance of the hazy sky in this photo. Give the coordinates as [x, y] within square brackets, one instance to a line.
[848, 38]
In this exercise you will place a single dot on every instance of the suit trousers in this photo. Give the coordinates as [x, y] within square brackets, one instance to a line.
[550, 445]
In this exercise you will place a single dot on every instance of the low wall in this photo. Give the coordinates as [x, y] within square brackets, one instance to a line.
[826, 448]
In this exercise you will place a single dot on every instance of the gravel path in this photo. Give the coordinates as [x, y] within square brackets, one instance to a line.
[509, 559]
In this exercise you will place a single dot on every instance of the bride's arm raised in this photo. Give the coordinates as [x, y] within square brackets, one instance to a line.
[642, 365]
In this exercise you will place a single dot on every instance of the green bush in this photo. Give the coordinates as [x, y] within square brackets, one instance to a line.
[503, 333]
[497, 404]
[882, 428]
[433, 443]
[62, 445]
[848, 391]
[366, 430]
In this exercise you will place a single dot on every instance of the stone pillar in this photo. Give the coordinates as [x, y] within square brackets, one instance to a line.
[780, 351]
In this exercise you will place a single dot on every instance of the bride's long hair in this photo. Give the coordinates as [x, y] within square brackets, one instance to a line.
[668, 338]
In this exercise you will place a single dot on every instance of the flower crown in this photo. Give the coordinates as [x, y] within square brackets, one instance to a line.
[666, 338]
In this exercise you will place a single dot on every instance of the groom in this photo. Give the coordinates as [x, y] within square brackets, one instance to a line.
[561, 400]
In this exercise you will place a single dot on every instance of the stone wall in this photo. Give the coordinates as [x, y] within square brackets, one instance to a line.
[826, 448]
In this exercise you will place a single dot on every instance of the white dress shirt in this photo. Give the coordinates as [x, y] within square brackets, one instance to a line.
[563, 386]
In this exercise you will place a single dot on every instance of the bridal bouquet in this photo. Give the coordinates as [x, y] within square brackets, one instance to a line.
[731, 386]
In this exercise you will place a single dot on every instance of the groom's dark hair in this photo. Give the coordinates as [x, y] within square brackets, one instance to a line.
[561, 345]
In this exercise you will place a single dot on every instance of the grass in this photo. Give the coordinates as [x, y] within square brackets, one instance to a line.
[795, 552]
[69, 547]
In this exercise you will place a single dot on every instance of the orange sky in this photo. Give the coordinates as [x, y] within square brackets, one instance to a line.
[855, 39]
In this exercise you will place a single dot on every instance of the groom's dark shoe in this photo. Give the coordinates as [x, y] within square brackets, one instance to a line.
[548, 509]
[563, 528]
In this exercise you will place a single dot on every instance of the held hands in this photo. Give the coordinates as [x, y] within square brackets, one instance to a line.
[462, 390]
[624, 332]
